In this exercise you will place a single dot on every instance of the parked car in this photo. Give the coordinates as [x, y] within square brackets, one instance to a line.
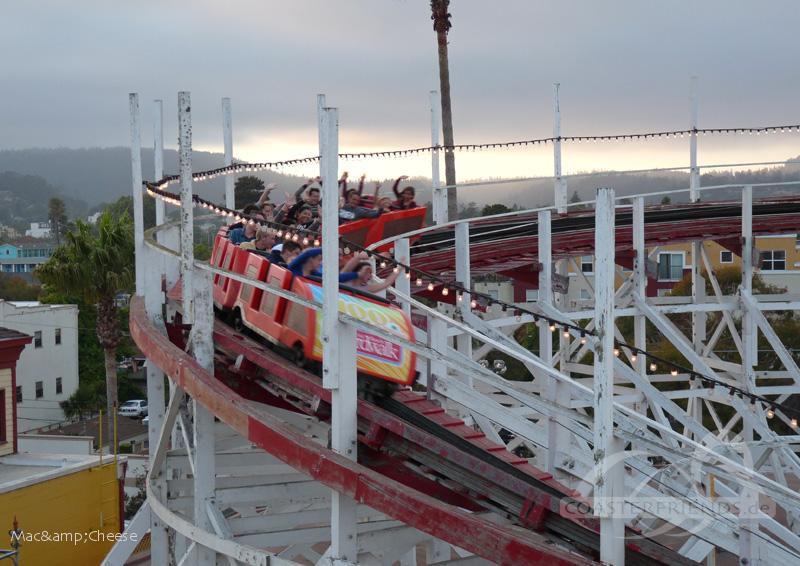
[135, 408]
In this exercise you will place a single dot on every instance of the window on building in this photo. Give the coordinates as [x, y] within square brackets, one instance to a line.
[585, 295]
[492, 293]
[531, 295]
[725, 257]
[19, 394]
[773, 260]
[58, 336]
[3, 415]
[37, 339]
[59, 386]
[670, 266]
[39, 389]
[587, 266]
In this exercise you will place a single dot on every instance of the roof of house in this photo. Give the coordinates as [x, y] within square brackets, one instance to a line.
[9, 334]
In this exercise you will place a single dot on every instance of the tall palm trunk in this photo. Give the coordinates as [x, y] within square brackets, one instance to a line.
[108, 335]
[441, 24]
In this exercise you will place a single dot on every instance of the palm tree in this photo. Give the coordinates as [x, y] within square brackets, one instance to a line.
[95, 266]
[57, 214]
[442, 25]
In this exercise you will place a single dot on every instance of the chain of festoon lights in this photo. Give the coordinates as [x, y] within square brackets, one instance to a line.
[478, 300]
[235, 168]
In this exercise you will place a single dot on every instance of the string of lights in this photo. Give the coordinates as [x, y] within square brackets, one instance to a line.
[254, 167]
[481, 301]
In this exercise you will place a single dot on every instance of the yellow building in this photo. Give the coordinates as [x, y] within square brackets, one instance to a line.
[67, 506]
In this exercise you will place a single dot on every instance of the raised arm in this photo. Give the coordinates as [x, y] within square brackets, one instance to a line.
[354, 260]
[265, 194]
[375, 195]
[298, 194]
[361, 185]
[388, 282]
[343, 184]
[397, 184]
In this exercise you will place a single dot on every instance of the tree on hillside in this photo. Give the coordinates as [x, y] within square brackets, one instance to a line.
[15, 288]
[442, 25]
[123, 206]
[491, 209]
[95, 266]
[57, 214]
[247, 190]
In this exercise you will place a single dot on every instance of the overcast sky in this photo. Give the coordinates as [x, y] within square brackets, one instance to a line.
[623, 65]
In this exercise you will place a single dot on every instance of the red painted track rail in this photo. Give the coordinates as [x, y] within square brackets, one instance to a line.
[501, 544]
[507, 246]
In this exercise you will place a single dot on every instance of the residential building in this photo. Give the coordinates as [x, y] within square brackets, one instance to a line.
[47, 372]
[12, 344]
[21, 257]
[8, 232]
[38, 230]
[778, 265]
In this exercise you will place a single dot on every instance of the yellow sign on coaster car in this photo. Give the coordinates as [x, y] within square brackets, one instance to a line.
[376, 355]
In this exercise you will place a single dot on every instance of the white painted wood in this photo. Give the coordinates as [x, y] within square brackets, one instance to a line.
[559, 183]
[607, 449]
[402, 253]
[439, 197]
[201, 342]
[464, 343]
[136, 177]
[187, 209]
[227, 136]
[158, 154]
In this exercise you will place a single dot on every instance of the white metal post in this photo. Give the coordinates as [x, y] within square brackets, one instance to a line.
[545, 257]
[320, 106]
[749, 497]
[607, 453]
[158, 154]
[202, 343]
[187, 212]
[694, 171]
[136, 176]
[640, 282]
[559, 184]
[227, 134]
[338, 344]
[402, 253]
[464, 341]
[439, 196]
[154, 302]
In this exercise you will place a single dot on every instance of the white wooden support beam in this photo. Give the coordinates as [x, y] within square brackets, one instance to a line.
[609, 465]
[227, 136]
[201, 341]
[551, 384]
[158, 155]
[749, 335]
[439, 197]
[402, 253]
[320, 105]
[134, 533]
[220, 526]
[464, 342]
[639, 283]
[136, 178]
[694, 170]
[154, 303]
[559, 183]
[187, 210]
[159, 451]
[338, 344]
